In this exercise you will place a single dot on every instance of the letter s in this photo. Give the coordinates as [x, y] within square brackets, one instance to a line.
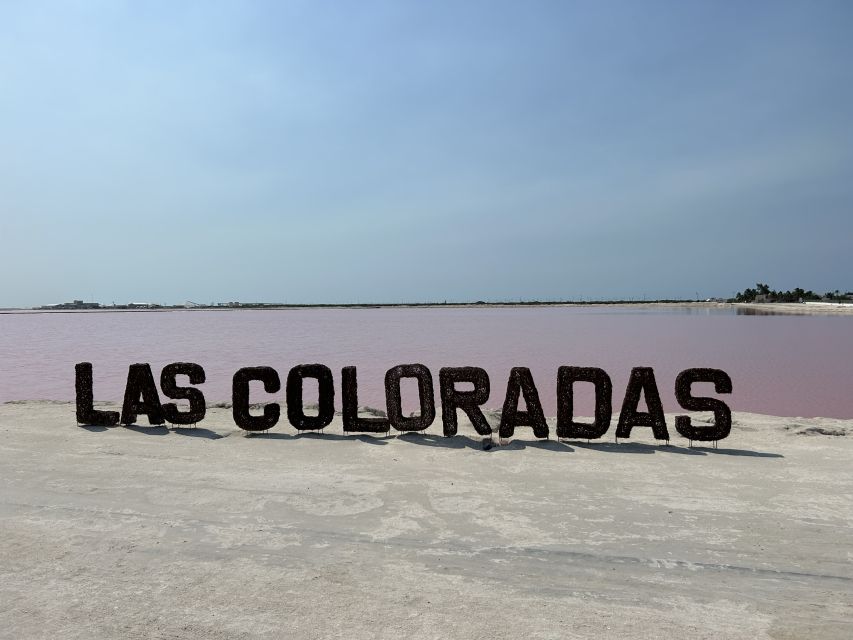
[722, 414]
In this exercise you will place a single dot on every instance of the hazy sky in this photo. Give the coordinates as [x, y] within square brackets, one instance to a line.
[389, 151]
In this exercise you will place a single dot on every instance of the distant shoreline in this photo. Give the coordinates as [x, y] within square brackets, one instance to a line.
[356, 305]
[757, 308]
[391, 305]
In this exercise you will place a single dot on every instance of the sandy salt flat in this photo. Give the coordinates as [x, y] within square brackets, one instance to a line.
[150, 533]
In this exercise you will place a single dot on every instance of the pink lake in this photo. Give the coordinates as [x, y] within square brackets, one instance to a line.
[780, 365]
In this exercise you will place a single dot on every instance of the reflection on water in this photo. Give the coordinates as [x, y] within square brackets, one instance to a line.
[767, 310]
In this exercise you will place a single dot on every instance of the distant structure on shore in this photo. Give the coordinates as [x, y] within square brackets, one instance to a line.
[76, 304]
[79, 305]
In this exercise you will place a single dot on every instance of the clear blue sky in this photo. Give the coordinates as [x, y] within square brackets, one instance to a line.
[389, 151]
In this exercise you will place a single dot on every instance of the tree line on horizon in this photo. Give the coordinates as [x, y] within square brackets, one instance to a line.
[797, 295]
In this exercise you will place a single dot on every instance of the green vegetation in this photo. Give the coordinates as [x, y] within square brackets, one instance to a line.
[763, 293]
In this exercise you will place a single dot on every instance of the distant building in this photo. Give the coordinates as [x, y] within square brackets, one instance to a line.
[76, 304]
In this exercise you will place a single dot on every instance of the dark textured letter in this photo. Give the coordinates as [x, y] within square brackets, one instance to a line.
[521, 380]
[642, 380]
[566, 425]
[722, 414]
[171, 389]
[352, 423]
[240, 398]
[86, 413]
[140, 396]
[325, 402]
[395, 403]
[468, 401]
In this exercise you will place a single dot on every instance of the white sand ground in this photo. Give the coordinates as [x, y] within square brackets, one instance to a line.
[155, 533]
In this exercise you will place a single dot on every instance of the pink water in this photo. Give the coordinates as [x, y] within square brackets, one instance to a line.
[781, 365]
